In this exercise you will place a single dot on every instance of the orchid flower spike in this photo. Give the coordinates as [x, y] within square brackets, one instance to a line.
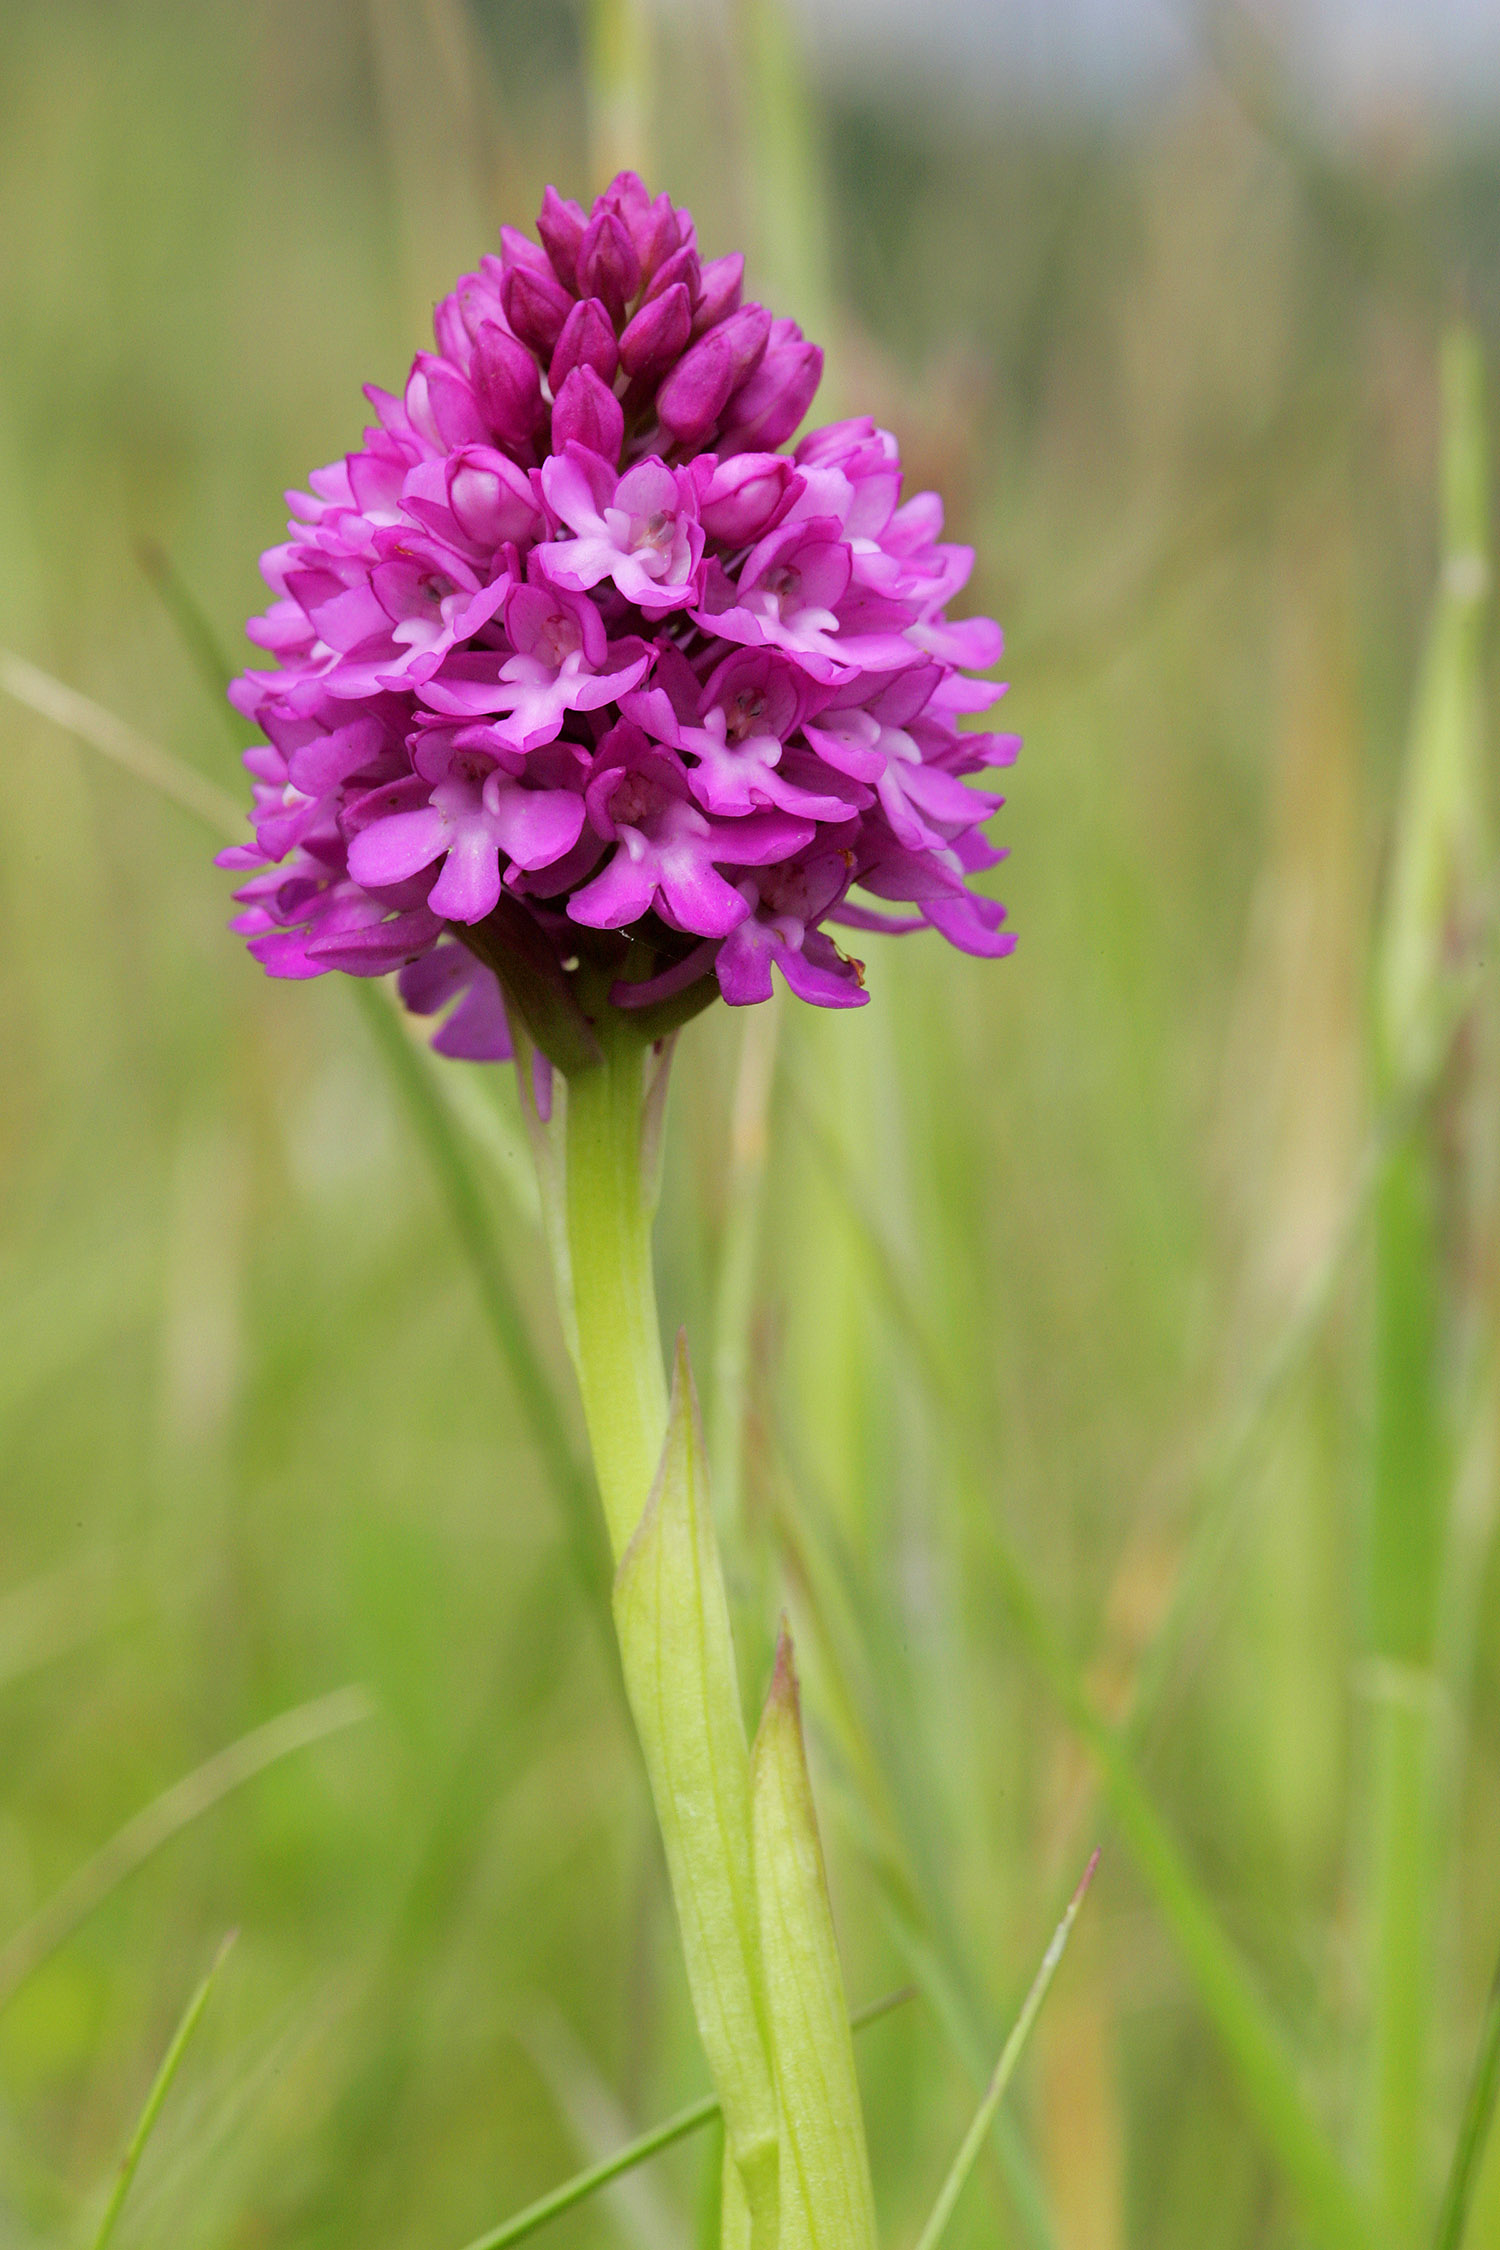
[572, 662]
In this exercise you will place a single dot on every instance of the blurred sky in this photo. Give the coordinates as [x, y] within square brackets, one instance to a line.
[1356, 59]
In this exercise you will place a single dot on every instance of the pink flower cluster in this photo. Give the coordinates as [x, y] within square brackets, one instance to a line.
[572, 664]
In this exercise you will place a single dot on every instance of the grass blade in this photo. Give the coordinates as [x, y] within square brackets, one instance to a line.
[160, 2087]
[194, 630]
[460, 1190]
[734, 1298]
[1245, 2028]
[110, 735]
[1479, 2112]
[120, 743]
[1431, 924]
[672, 2129]
[1252, 2040]
[165, 1817]
[584, 2184]
[1010, 2055]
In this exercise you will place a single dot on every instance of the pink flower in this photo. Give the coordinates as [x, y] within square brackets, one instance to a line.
[569, 647]
[641, 530]
[465, 809]
[560, 650]
[734, 730]
[665, 847]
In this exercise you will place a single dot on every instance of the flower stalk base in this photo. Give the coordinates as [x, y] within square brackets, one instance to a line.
[739, 1830]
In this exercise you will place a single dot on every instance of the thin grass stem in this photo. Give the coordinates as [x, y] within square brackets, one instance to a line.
[735, 1296]
[1252, 2040]
[459, 1187]
[786, 171]
[194, 630]
[121, 744]
[1005, 2068]
[160, 2087]
[1474, 2128]
[1430, 932]
[165, 1817]
[672, 2129]
[455, 1177]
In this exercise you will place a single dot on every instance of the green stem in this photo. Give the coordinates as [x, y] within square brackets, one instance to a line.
[1479, 2111]
[1005, 2068]
[1400, 1937]
[616, 1331]
[460, 1187]
[161, 2086]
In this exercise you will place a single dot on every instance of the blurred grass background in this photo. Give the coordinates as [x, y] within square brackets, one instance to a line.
[1022, 1245]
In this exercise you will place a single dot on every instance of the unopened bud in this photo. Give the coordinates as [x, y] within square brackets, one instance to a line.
[743, 498]
[587, 340]
[561, 225]
[774, 399]
[658, 334]
[609, 265]
[720, 283]
[588, 411]
[536, 305]
[701, 385]
[507, 386]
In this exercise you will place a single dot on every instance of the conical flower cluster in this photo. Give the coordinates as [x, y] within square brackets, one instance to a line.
[574, 669]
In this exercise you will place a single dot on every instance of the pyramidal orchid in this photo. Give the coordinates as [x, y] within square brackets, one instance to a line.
[588, 703]
[568, 646]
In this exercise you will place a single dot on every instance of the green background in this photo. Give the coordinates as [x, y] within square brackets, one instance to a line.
[1031, 1232]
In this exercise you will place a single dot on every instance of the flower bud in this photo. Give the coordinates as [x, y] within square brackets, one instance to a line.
[517, 249]
[774, 399]
[609, 265]
[721, 282]
[588, 411]
[743, 498]
[507, 387]
[536, 305]
[450, 330]
[658, 334]
[587, 340]
[561, 224]
[491, 499]
[659, 234]
[450, 403]
[681, 266]
[702, 384]
[653, 228]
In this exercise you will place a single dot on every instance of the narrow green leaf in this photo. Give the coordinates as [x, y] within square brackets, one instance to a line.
[1010, 2055]
[1473, 2132]
[459, 1185]
[676, 2128]
[114, 739]
[1249, 2034]
[678, 1657]
[1438, 850]
[165, 1817]
[584, 2184]
[1431, 932]
[193, 629]
[826, 2199]
[160, 2087]
[1251, 2038]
